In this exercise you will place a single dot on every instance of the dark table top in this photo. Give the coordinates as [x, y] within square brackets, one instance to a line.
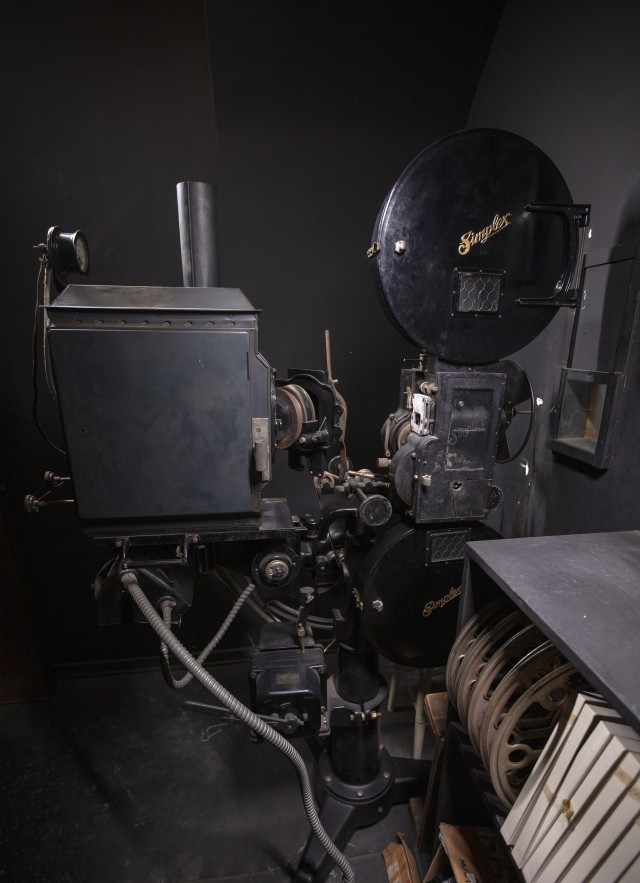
[583, 591]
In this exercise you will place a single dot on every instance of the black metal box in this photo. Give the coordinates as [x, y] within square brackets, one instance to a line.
[286, 683]
[161, 392]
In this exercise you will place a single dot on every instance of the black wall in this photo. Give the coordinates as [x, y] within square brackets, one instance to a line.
[567, 76]
[318, 108]
[105, 107]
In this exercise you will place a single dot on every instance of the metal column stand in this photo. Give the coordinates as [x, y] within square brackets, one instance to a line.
[357, 781]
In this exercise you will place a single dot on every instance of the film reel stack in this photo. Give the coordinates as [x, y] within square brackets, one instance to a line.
[509, 685]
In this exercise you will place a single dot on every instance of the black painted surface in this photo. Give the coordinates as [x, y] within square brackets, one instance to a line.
[567, 77]
[582, 592]
[318, 109]
[105, 108]
[461, 210]
[111, 782]
[410, 595]
[157, 406]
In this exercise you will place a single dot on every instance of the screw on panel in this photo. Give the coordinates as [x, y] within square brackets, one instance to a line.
[377, 604]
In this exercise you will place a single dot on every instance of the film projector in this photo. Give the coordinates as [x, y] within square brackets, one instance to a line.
[172, 420]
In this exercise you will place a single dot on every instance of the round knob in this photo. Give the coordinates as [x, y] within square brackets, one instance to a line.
[375, 511]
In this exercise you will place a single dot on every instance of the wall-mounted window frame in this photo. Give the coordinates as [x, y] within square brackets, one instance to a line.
[587, 409]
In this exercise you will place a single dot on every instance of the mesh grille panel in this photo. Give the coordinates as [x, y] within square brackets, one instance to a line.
[448, 546]
[478, 292]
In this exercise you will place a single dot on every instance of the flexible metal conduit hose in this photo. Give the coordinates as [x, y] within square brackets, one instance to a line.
[130, 583]
[223, 574]
[276, 611]
[213, 643]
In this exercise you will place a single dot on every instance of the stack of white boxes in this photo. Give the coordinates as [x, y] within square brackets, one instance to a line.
[577, 817]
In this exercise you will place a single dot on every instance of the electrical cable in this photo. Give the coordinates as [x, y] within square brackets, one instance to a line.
[276, 610]
[34, 362]
[224, 576]
[130, 582]
[46, 355]
[167, 606]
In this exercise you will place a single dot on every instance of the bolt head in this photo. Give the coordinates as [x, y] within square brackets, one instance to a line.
[400, 246]
[378, 605]
[276, 570]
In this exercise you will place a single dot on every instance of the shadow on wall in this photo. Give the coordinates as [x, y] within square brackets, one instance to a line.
[619, 307]
[584, 498]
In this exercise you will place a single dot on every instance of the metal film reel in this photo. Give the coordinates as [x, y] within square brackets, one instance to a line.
[505, 657]
[491, 612]
[294, 408]
[518, 411]
[526, 727]
[479, 655]
[524, 674]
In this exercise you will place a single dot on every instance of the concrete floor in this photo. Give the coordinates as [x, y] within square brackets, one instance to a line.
[111, 781]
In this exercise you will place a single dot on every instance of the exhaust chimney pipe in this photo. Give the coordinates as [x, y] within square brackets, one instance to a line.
[198, 234]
